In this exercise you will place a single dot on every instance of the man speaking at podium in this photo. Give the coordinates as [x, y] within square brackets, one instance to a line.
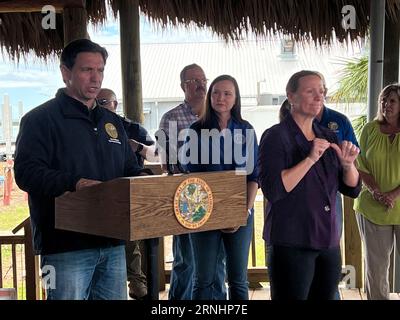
[66, 144]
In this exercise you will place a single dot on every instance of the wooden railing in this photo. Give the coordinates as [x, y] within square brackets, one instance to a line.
[9, 239]
[256, 273]
[352, 253]
[31, 262]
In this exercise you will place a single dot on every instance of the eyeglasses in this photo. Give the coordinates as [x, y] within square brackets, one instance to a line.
[196, 81]
[104, 102]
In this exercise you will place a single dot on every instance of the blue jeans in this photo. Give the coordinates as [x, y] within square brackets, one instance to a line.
[181, 283]
[90, 274]
[302, 273]
[206, 247]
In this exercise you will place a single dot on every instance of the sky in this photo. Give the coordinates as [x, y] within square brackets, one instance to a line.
[33, 82]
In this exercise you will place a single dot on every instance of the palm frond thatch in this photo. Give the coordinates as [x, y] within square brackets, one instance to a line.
[229, 19]
[22, 33]
[232, 19]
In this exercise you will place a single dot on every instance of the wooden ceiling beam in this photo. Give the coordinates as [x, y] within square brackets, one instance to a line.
[7, 6]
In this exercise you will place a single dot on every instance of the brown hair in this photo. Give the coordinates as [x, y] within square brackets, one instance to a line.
[209, 114]
[386, 91]
[72, 49]
[284, 110]
[294, 81]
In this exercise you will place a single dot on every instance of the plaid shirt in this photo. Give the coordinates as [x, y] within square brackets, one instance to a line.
[183, 116]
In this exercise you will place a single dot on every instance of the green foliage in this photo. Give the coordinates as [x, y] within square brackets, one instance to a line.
[358, 124]
[199, 214]
[353, 87]
[353, 83]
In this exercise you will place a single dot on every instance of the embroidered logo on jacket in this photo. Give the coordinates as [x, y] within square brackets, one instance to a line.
[333, 126]
[111, 130]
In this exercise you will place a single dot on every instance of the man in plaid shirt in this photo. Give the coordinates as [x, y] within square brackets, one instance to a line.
[175, 123]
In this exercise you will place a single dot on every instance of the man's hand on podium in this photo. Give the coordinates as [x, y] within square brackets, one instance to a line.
[84, 183]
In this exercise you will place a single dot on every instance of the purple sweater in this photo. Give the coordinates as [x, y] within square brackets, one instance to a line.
[304, 217]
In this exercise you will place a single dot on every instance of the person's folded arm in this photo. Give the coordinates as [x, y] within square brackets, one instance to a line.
[271, 162]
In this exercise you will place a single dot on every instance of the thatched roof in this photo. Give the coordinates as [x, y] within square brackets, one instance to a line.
[22, 32]
[230, 19]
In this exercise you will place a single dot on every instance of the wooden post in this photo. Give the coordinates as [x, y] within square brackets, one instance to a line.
[75, 24]
[31, 262]
[130, 60]
[31, 266]
[353, 247]
[391, 52]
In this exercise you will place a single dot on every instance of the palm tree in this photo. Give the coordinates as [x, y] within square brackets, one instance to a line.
[353, 86]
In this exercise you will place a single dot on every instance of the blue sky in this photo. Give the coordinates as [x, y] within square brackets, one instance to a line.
[33, 82]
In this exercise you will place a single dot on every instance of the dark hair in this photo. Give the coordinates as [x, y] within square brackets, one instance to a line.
[284, 110]
[384, 94]
[294, 81]
[188, 67]
[72, 49]
[209, 115]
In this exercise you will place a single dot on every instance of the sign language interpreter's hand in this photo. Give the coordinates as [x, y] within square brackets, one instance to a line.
[347, 153]
[318, 149]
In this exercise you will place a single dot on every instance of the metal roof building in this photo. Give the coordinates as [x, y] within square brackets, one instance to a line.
[262, 69]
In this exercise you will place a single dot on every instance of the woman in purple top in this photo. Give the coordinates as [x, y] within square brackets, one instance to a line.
[301, 169]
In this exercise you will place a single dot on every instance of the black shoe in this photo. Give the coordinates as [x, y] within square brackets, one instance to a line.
[142, 298]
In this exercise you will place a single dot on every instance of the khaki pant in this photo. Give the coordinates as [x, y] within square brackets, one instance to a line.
[136, 277]
[378, 243]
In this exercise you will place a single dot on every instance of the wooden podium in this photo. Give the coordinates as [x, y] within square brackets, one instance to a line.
[143, 207]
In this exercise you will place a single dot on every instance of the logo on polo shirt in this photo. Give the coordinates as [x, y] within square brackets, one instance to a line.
[111, 130]
[193, 203]
[333, 126]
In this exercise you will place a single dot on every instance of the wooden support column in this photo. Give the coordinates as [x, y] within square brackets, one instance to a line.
[75, 24]
[375, 64]
[391, 51]
[130, 60]
[33, 285]
[353, 247]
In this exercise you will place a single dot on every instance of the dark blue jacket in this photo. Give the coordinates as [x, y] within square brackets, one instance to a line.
[58, 143]
[304, 217]
[241, 145]
[139, 133]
